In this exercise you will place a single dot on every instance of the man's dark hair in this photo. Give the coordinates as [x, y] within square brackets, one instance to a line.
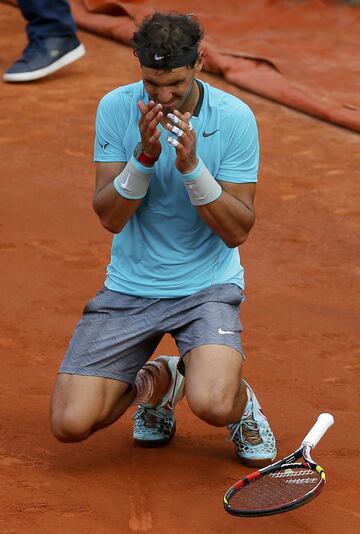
[168, 40]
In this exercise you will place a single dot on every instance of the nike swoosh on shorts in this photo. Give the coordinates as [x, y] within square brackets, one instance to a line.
[221, 331]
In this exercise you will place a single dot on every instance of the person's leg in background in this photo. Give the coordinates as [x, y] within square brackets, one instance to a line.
[53, 42]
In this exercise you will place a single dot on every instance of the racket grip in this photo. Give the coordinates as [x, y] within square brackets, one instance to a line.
[323, 423]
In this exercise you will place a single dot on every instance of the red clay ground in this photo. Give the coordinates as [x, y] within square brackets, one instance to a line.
[301, 334]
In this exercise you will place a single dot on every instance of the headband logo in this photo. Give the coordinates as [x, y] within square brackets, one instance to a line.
[156, 60]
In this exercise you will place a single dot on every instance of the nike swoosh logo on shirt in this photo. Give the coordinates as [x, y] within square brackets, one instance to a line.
[207, 134]
[221, 331]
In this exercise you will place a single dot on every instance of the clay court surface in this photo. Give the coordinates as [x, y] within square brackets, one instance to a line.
[301, 317]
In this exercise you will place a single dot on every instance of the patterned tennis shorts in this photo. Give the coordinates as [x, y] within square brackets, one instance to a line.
[118, 333]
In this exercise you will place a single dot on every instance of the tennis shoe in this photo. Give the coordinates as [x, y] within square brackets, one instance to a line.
[254, 440]
[156, 425]
[42, 57]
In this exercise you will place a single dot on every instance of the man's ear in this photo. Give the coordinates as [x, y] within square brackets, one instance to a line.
[199, 62]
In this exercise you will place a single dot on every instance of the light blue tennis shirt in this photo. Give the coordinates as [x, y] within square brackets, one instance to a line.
[166, 250]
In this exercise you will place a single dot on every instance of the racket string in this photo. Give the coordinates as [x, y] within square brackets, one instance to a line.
[276, 489]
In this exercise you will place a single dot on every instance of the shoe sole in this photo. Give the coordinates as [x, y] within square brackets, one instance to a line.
[62, 62]
[251, 462]
[150, 444]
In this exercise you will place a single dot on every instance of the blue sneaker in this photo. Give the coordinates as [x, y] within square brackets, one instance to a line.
[155, 425]
[254, 440]
[42, 57]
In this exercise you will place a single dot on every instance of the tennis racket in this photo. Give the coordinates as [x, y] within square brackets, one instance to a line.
[283, 485]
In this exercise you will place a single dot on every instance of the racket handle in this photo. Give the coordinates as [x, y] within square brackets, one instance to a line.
[323, 423]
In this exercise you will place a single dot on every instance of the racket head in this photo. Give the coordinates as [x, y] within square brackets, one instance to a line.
[274, 490]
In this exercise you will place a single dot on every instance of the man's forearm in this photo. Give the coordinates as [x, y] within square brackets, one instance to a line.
[117, 200]
[229, 218]
[227, 208]
[113, 210]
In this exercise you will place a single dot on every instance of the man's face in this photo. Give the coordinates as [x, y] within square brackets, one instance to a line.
[171, 88]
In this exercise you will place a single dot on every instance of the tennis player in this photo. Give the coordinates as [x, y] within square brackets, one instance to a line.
[177, 164]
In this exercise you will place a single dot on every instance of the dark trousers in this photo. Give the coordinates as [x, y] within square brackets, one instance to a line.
[47, 18]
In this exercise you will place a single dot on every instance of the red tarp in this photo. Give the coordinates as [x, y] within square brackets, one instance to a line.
[303, 54]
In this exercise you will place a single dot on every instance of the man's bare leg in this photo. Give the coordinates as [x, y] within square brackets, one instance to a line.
[81, 405]
[214, 388]
[217, 394]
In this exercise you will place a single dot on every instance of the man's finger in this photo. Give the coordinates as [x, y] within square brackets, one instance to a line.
[154, 114]
[180, 124]
[175, 130]
[172, 141]
[144, 108]
[174, 119]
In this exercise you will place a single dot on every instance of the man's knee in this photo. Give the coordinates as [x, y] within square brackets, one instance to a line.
[68, 427]
[80, 404]
[215, 409]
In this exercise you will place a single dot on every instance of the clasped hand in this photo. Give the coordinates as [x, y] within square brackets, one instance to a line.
[183, 138]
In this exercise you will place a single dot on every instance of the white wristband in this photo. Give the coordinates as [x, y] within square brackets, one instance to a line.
[201, 185]
[133, 181]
